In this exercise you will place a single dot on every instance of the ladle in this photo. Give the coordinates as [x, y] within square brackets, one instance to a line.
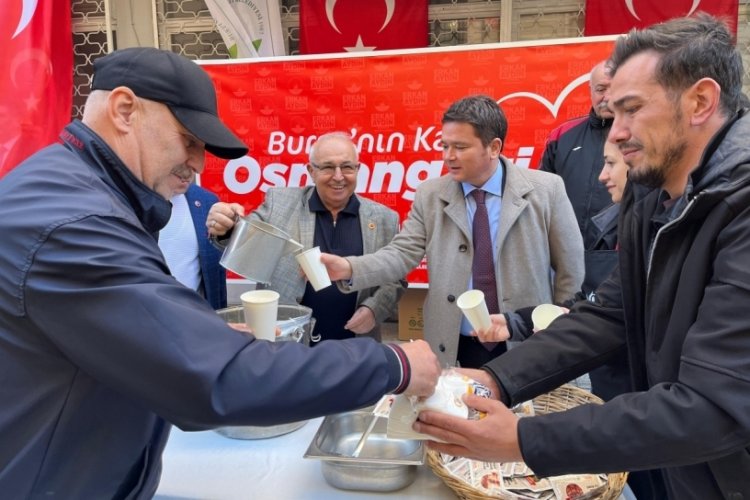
[365, 435]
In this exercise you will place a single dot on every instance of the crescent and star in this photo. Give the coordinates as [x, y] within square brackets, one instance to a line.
[631, 8]
[390, 6]
[27, 12]
[29, 7]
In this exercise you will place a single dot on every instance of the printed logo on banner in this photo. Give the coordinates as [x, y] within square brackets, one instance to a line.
[553, 107]
[354, 102]
[382, 78]
[321, 83]
[298, 127]
[414, 60]
[481, 86]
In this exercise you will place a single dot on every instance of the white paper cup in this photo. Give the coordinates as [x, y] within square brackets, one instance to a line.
[315, 270]
[260, 312]
[543, 314]
[474, 307]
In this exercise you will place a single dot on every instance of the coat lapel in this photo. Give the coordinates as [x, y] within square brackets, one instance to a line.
[514, 201]
[455, 207]
[307, 221]
[368, 225]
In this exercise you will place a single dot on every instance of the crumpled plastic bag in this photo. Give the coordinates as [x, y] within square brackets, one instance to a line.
[447, 398]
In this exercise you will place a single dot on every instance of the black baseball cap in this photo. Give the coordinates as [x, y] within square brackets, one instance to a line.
[174, 80]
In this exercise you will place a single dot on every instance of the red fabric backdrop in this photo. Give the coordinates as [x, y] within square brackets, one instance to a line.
[352, 25]
[608, 17]
[392, 103]
[36, 87]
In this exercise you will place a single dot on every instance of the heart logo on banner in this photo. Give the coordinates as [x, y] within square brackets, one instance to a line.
[553, 108]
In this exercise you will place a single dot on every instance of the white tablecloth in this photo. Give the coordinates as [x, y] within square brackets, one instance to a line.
[207, 465]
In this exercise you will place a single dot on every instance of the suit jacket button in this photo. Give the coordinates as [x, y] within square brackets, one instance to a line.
[451, 298]
[462, 248]
[441, 348]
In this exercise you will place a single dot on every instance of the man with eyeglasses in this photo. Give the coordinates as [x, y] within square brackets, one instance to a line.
[327, 214]
[487, 224]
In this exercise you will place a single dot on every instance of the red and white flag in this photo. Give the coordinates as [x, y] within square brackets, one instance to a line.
[355, 25]
[608, 17]
[36, 86]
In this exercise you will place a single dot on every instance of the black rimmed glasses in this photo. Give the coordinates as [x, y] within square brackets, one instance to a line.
[329, 169]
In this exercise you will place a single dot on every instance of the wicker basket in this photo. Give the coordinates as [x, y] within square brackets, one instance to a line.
[562, 398]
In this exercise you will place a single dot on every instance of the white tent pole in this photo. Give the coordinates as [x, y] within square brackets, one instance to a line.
[108, 25]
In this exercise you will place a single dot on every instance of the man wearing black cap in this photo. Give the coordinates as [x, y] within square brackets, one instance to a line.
[100, 348]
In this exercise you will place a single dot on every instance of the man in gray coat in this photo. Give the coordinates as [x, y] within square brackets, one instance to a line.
[537, 248]
[331, 216]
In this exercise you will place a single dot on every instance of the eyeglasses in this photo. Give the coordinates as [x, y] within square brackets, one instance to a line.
[346, 168]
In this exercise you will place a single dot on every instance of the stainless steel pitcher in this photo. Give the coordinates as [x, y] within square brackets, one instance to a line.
[255, 248]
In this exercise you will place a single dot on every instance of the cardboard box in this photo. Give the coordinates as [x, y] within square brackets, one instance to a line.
[410, 321]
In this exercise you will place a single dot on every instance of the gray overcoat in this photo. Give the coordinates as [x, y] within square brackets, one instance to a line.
[539, 260]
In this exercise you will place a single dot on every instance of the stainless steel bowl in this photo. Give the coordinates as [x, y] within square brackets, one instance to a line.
[295, 321]
[296, 324]
[257, 432]
[382, 465]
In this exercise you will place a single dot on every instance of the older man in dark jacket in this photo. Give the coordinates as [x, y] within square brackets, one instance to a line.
[678, 304]
[574, 151]
[100, 348]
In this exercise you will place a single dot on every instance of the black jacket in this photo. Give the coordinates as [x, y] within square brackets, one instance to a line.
[575, 152]
[100, 348]
[679, 306]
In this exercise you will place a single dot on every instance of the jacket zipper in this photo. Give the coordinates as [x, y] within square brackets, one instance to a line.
[659, 232]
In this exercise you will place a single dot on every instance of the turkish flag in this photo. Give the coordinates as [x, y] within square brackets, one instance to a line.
[36, 86]
[355, 25]
[608, 17]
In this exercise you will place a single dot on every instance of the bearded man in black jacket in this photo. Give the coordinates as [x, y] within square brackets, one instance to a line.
[677, 303]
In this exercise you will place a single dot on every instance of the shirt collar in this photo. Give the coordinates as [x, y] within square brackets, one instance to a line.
[494, 184]
[316, 204]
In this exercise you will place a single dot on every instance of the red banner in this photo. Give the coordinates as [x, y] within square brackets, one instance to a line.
[392, 105]
[357, 26]
[36, 87]
[607, 17]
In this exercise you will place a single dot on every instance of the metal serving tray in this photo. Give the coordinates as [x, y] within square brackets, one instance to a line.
[383, 464]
